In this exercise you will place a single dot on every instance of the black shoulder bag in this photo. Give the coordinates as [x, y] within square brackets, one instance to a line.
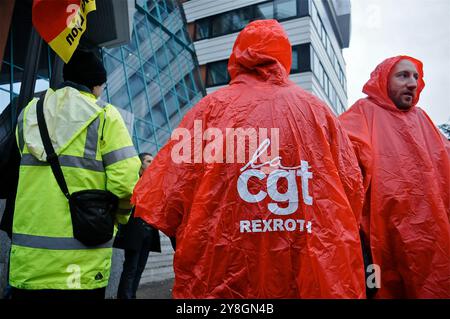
[92, 210]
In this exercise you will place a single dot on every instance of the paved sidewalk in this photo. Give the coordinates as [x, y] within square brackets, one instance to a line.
[156, 290]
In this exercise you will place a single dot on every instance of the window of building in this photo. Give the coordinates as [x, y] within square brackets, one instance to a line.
[202, 29]
[235, 20]
[217, 73]
[162, 136]
[192, 83]
[144, 130]
[161, 59]
[336, 64]
[150, 69]
[295, 63]
[285, 9]
[325, 83]
[136, 82]
[330, 50]
[240, 18]
[166, 6]
[119, 96]
[264, 11]
[323, 35]
[182, 93]
[317, 22]
[301, 60]
[171, 101]
[221, 24]
[315, 17]
[332, 96]
[159, 114]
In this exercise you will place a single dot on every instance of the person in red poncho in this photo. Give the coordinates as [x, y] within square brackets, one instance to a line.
[406, 169]
[279, 222]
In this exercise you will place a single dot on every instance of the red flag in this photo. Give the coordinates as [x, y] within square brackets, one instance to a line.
[61, 23]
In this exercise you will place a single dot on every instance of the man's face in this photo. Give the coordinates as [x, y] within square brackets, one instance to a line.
[402, 84]
[145, 163]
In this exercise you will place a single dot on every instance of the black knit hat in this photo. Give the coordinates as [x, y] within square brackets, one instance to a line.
[85, 68]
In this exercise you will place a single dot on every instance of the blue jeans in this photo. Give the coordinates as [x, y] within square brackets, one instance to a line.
[133, 267]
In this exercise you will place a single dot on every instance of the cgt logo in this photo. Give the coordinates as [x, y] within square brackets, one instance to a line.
[252, 170]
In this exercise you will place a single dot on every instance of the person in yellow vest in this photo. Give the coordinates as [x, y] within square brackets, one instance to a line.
[95, 151]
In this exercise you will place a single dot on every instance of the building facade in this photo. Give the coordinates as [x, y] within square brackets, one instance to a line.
[155, 76]
[318, 31]
[154, 80]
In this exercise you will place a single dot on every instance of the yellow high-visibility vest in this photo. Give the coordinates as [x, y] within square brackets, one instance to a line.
[95, 152]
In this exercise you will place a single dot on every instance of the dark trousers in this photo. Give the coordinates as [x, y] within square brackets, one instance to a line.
[133, 267]
[53, 294]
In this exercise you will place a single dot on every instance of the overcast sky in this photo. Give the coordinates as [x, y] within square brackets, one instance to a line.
[419, 28]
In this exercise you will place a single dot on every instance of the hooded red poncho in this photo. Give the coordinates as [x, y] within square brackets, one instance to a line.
[406, 170]
[246, 230]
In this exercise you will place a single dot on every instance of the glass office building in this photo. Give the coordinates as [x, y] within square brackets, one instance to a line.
[155, 77]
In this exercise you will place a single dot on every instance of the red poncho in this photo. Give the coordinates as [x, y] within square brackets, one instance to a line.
[247, 230]
[406, 168]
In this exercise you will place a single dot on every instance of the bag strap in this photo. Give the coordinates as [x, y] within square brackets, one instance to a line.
[52, 158]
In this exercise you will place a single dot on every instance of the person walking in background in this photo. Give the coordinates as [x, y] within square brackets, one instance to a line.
[138, 239]
[406, 170]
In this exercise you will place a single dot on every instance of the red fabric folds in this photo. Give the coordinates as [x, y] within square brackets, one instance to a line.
[248, 230]
[406, 171]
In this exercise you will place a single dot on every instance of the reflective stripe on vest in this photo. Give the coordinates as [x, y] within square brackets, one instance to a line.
[90, 151]
[81, 162]
[119, 155]
[90, 148]
[54, 243]
[65, 160]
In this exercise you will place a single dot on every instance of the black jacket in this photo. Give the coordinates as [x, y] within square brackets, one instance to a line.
[137, 235]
